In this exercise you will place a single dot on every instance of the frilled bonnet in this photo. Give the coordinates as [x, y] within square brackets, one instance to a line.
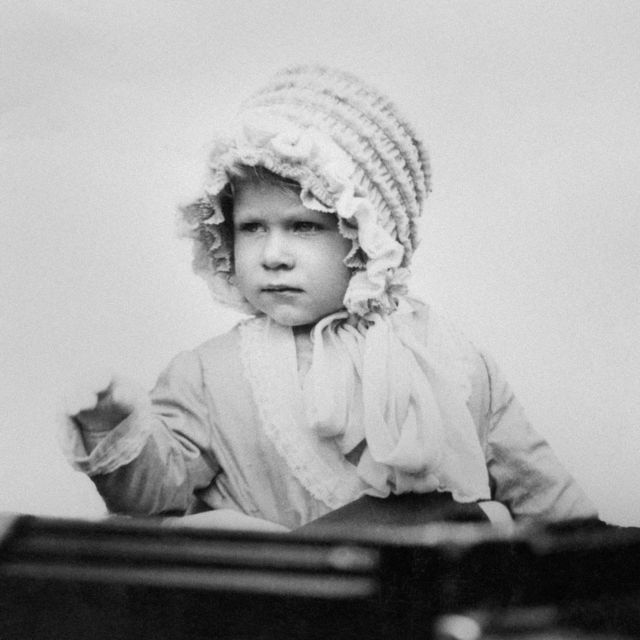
[352, 154]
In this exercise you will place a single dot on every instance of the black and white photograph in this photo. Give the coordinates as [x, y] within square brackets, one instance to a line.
[320, 319]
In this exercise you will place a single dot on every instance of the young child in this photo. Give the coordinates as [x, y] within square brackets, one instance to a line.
[339, 384]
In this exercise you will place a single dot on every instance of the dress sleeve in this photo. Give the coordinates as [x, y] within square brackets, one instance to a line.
[154, 460]
[525, 473]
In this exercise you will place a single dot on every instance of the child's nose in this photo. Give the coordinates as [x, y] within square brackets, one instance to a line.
[276, 253]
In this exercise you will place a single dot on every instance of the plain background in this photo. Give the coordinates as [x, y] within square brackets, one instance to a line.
[531, 114]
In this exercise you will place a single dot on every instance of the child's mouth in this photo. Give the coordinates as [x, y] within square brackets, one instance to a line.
[281, 289]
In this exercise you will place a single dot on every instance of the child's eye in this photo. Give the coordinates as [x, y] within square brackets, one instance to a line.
[249, 227]
[305, 226]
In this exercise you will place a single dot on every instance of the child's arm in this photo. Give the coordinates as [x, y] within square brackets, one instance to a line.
[146, 454]
[525, 473]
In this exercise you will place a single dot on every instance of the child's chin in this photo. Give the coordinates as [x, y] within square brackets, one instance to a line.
[298, 322]
[294, 322]
[294, 319]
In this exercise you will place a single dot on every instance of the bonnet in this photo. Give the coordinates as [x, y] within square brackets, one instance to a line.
[351, 152]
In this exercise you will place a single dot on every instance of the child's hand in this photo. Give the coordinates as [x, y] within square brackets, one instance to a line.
[103, 402]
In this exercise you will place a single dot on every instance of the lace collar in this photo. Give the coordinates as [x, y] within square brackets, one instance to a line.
[269, 362]
[401, 385]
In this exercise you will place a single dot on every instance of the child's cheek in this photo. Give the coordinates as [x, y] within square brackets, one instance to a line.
[242, 267]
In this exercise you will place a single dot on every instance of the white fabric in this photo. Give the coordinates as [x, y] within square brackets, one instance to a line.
[407, 400]
[269, 360]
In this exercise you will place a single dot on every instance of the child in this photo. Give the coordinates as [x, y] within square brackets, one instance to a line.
[339, 384]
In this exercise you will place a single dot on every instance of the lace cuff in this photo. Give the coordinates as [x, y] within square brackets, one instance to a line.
[113, 449]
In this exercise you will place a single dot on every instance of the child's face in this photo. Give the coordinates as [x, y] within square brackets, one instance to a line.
[288, 259]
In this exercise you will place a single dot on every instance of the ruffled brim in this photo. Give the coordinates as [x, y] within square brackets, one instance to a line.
[328, 182]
